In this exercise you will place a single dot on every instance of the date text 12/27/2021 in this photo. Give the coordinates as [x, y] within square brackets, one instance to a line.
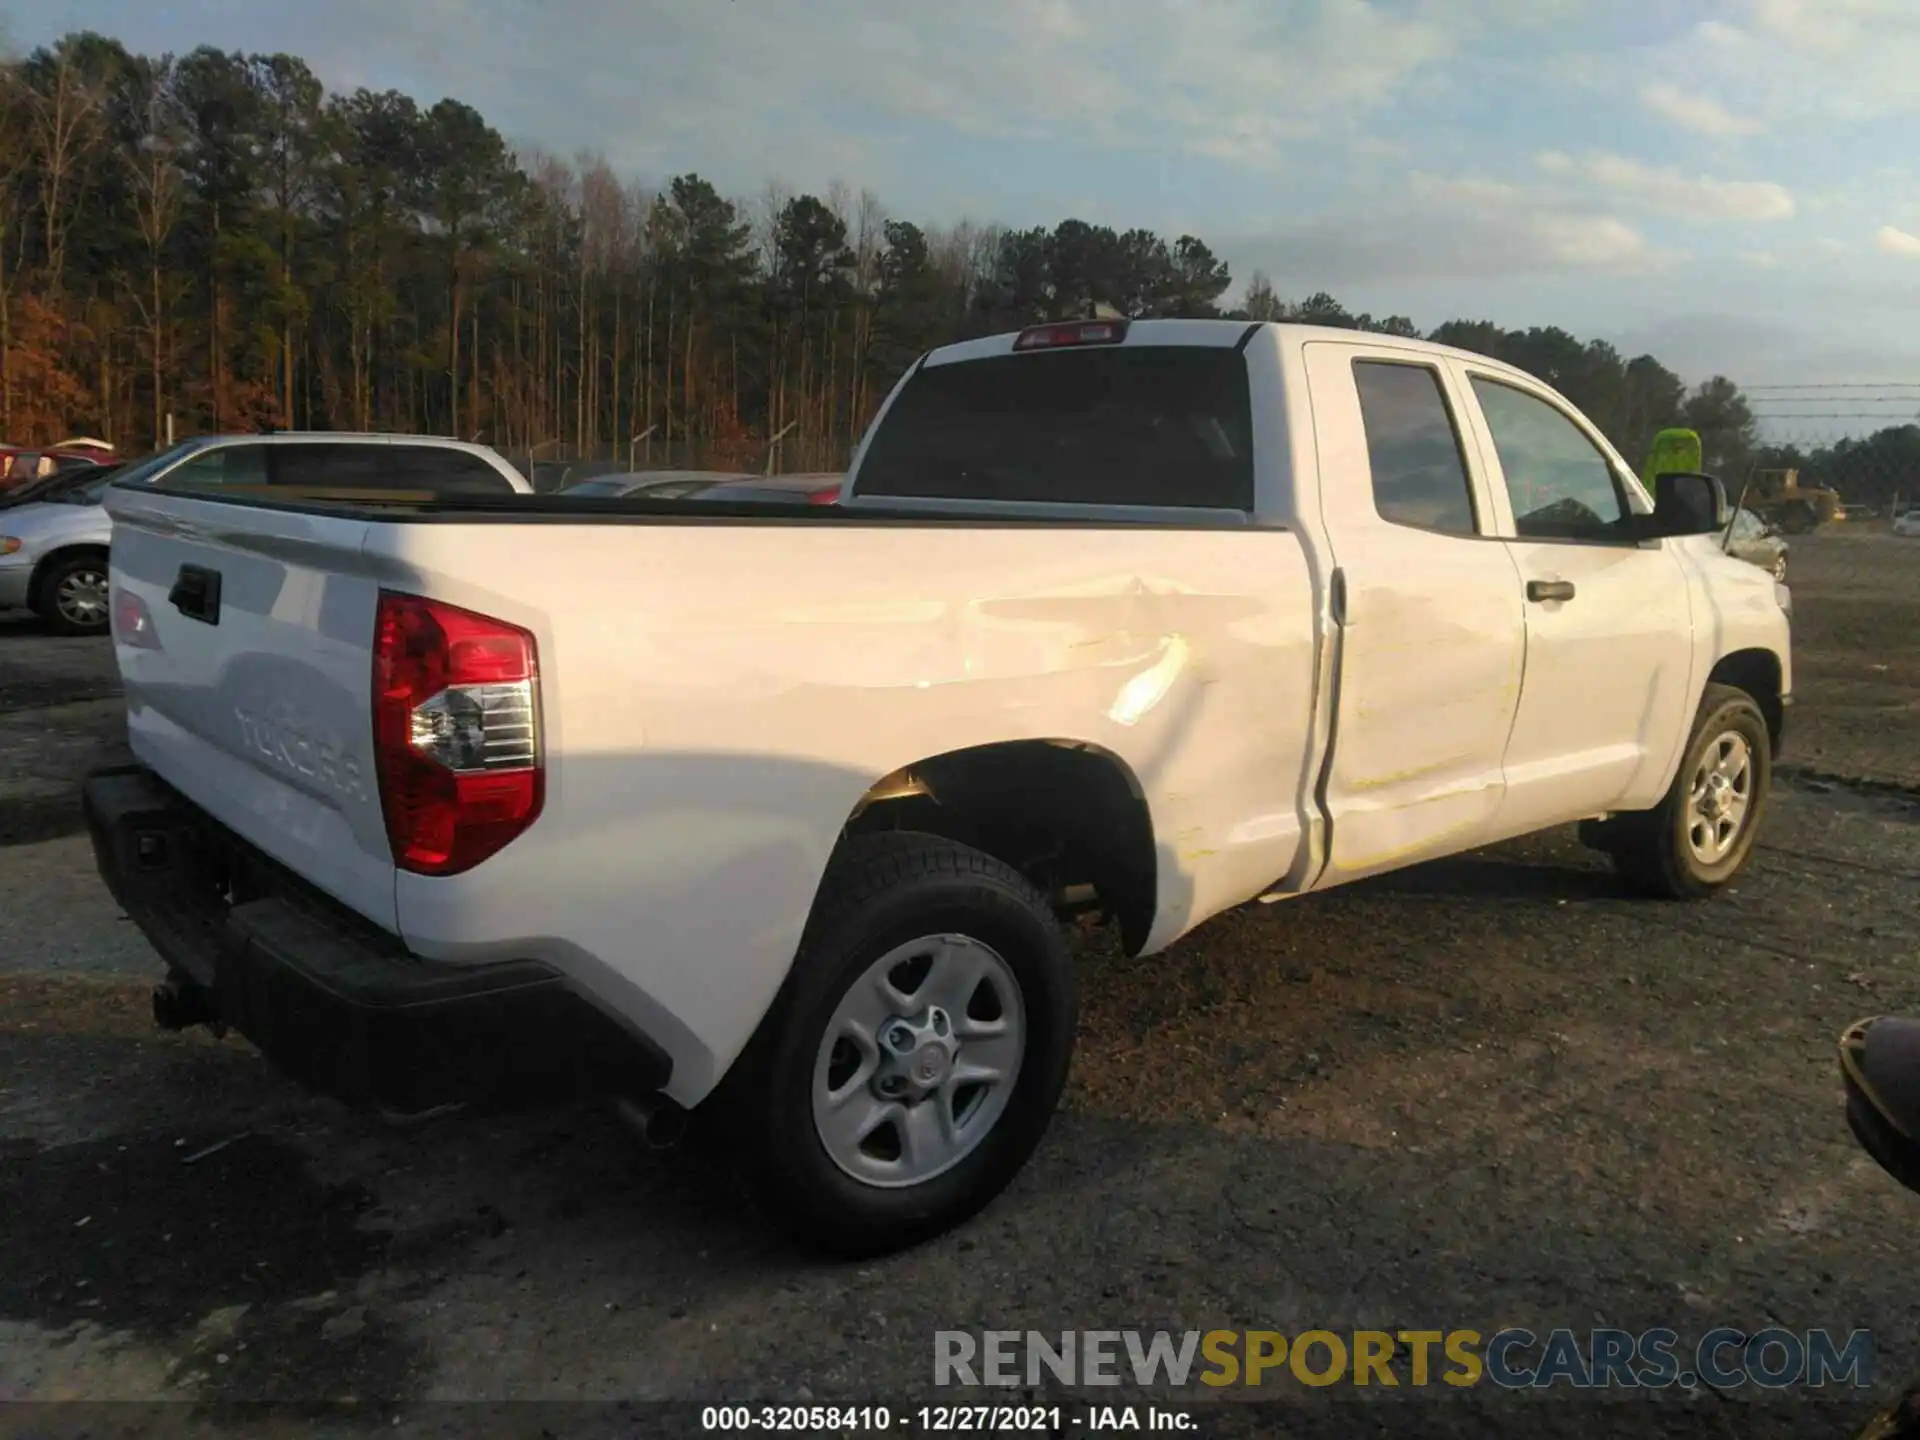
[942, 1419]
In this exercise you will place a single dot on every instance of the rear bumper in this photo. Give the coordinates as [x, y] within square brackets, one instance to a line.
[332, 1001]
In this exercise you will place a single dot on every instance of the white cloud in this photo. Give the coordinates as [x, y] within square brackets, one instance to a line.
[1592, 242]
[1699, 113]
[1446, 228]
[1795, 60]
[1669, 191]
[1894, 241]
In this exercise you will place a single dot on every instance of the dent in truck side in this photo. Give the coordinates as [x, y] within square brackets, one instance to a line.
[706, 745]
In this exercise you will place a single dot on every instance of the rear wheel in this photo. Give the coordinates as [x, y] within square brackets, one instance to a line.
[73, 596]
[916, 1054]
[1701, 834]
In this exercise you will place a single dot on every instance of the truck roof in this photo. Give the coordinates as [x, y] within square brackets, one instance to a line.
[1223, 334]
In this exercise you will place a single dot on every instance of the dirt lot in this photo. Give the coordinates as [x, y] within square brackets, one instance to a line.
[1487, 1092]
[1857, 654]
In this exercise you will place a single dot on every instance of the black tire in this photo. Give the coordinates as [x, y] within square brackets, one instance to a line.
[1651, 849]
[56, 611]
[880, 892]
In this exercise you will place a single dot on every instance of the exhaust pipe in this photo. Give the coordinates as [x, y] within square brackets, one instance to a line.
[658, 1121]
[179, 1004]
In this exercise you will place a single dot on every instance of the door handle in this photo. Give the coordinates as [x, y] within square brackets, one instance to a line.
[196, 594]
[1549, 589]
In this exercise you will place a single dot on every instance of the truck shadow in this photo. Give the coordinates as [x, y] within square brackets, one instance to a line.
[1495, 876]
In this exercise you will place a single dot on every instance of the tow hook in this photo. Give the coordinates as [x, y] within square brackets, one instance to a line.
[179, 1004]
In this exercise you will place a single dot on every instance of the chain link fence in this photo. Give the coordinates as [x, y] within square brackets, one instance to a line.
[1855, 581]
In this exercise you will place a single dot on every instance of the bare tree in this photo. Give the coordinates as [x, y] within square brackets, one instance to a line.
[65, 109]
[839, 200]
[869, 240]
[156, 189]
[602, 210]
[14, 156]
[764, 216]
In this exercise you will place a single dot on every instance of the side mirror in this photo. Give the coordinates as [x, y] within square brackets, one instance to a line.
[1686, 503]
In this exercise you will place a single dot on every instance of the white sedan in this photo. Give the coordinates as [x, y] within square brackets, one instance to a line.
[1908, 525]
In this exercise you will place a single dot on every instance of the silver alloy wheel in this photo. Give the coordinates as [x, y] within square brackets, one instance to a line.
[919, 1061]
[81, 598]
[1720, 797]
[1780, 568]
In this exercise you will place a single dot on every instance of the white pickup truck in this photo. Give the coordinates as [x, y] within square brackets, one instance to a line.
[779, 813]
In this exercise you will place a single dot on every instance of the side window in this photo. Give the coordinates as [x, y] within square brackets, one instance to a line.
[1419, 477]
[339, 465]
[223, 465]
[1562, 488]
[444, 472]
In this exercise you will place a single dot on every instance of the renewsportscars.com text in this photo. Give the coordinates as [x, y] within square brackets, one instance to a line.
[1722, 1359]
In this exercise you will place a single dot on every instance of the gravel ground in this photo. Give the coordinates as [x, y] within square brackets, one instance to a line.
[1857, 654]
[1488, 1091]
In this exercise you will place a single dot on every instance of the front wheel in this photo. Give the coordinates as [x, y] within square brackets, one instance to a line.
[1701, 834]
[1779, 568]
[916, 1053]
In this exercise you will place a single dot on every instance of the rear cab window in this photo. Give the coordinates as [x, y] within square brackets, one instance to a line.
[1132, 425]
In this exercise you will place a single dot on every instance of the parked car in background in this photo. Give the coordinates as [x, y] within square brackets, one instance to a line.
[53, 544]
[1758, 543]
[101, 452]
[654, 484]
[1908, 525]
[53, 554]
[49, 486]
[816, 488]
[20, 466]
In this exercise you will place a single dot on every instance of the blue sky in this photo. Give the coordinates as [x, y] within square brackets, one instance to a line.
[1731, 184]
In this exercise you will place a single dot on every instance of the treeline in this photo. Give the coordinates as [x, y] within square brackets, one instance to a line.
[215, 238]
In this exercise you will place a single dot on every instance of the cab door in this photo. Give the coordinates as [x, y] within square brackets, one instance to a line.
[1429, 626]
[1609, 633]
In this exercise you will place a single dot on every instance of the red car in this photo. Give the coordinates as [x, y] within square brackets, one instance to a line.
[20, 464]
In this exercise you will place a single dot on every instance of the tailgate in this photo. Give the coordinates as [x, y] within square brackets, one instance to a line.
[244, 639]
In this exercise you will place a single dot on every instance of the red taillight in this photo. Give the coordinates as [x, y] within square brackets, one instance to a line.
[829, 496]
[456, 714]
[1076, 332]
